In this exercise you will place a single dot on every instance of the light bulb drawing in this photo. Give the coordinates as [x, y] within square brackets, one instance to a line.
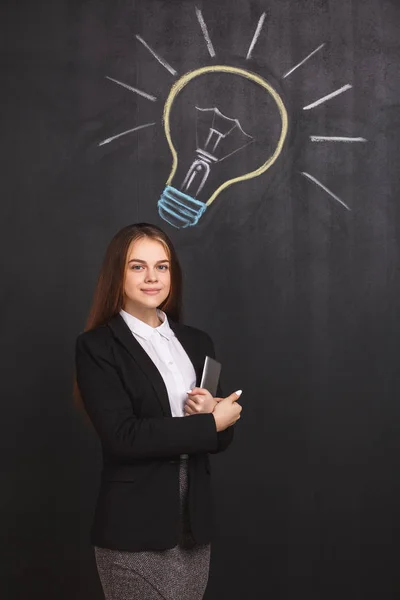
[223, 130]
[217, 138]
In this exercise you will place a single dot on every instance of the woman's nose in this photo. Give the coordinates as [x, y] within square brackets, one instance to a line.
[151, 276]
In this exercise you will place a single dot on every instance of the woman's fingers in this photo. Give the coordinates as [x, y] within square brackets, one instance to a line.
[194, 406]
[200, 404]
[200, 398]
[233, 397]
[197, 390]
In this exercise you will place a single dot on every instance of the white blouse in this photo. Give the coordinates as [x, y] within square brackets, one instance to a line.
[169, 356]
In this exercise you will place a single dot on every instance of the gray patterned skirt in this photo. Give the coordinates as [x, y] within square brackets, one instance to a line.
[179, 573]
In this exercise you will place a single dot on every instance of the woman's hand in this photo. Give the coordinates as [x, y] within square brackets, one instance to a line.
[228, 411]
[200, 401]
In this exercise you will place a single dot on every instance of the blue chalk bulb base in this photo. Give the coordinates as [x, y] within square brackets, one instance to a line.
[178, 209]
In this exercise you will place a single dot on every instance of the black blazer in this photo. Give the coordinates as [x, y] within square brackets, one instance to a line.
[126, 399]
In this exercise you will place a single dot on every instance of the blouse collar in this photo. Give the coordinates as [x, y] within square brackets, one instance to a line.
[143, 329]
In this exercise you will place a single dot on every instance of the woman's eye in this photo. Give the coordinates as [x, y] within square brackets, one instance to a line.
[163, 267]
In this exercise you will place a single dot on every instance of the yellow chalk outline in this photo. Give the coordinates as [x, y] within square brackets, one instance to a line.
[184, 80]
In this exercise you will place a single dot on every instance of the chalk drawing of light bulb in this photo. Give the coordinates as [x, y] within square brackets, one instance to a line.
[195, 181]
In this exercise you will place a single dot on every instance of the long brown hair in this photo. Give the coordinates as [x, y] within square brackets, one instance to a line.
[108, 298]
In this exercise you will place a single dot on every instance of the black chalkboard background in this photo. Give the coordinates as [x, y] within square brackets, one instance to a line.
[299, 293]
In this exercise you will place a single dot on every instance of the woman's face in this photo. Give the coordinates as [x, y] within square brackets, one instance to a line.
[147, 268]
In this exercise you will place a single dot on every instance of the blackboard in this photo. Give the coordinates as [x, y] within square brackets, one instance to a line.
[294, 273]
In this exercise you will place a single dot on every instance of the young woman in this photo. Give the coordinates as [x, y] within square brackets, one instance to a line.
[137, 369]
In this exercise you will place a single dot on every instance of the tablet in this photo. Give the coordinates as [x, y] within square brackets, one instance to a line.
[210, 376]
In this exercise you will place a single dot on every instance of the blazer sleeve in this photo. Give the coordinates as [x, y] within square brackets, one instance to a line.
[122, 434]
[225, 437]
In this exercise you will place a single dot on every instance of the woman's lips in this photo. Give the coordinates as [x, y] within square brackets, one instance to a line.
[151, 292]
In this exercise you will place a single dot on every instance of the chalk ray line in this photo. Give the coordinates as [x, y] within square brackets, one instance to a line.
[323, 138]
[256, 34]
[303, 61]
[114, 137]
[132, 89]
[328, 191]
[161, 60]
[205, 32]
[348, 86]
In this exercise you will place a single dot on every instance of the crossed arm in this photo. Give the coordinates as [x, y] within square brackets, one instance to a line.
[122, 434]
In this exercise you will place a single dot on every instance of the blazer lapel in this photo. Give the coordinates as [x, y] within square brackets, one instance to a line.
[143, 360]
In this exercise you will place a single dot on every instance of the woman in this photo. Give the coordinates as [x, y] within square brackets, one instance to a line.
[136, 365]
